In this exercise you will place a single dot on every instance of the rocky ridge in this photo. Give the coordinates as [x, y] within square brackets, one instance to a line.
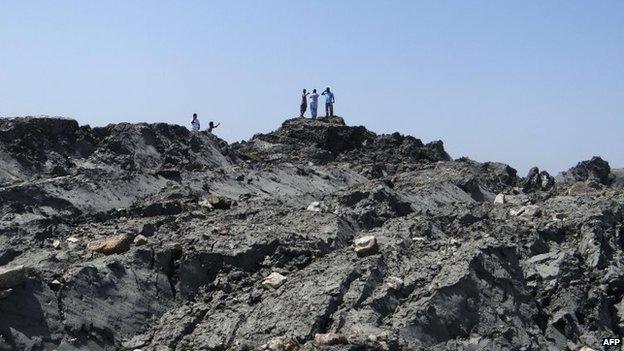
[316, 235]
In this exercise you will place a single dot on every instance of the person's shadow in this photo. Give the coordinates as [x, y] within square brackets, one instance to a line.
[23, 321]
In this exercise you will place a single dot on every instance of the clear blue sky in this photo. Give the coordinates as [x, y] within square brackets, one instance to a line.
[523, 82]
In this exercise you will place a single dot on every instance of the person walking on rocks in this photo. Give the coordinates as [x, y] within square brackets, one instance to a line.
[212, 126]
[304, 102]
[313, 103]
[329, 102]
[195, 122]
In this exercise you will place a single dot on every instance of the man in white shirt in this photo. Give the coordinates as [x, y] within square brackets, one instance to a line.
[313, 103]
[195, 122]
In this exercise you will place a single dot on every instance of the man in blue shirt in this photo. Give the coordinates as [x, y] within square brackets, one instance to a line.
[329, 102]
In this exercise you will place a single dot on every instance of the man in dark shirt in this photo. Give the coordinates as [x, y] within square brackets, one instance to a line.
[304, 102]
[212, 126]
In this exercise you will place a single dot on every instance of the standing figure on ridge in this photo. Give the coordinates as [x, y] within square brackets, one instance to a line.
[195, 122]
[212, 126]
[329, 102]
[304, 102]
[313, 103]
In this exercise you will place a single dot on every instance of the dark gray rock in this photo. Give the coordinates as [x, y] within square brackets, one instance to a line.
[448, 270]
[537, 181]
[596, 170]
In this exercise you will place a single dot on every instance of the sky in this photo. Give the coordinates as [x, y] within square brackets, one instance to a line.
[528, 83]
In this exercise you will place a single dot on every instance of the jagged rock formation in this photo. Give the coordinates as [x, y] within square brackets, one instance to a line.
[151, 237]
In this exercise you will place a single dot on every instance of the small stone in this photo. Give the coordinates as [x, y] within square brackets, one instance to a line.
[56, 244]
[329, 339]
[140, 240]
[366, 245]
[530, 211]
[111, 245]
[73, 240]
[13, 276]
[394, 283]
[526, 212]
[317, 206]
[214, 202]
[221, 230]
[516, 212]
[500, 199]
[274, 280]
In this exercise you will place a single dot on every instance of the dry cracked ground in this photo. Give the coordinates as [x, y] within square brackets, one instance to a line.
[316, 235]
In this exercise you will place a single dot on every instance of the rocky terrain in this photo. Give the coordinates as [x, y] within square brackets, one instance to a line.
[316, 235]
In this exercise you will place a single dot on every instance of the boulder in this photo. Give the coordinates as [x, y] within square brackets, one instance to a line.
[366, 245]
[113, 244]
[12, 276]
[594, 170]
[536, 181]
[329, 339]
[274, 280]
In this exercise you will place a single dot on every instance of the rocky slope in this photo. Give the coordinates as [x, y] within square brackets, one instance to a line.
[317, 235]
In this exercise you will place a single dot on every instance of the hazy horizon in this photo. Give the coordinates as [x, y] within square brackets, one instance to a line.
[527, 84]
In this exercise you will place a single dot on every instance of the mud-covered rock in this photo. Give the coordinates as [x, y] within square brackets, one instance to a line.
[148, 236]
[596, 169]
[537, 181]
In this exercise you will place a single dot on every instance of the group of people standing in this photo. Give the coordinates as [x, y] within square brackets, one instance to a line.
[314, 96]
[329, 102]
